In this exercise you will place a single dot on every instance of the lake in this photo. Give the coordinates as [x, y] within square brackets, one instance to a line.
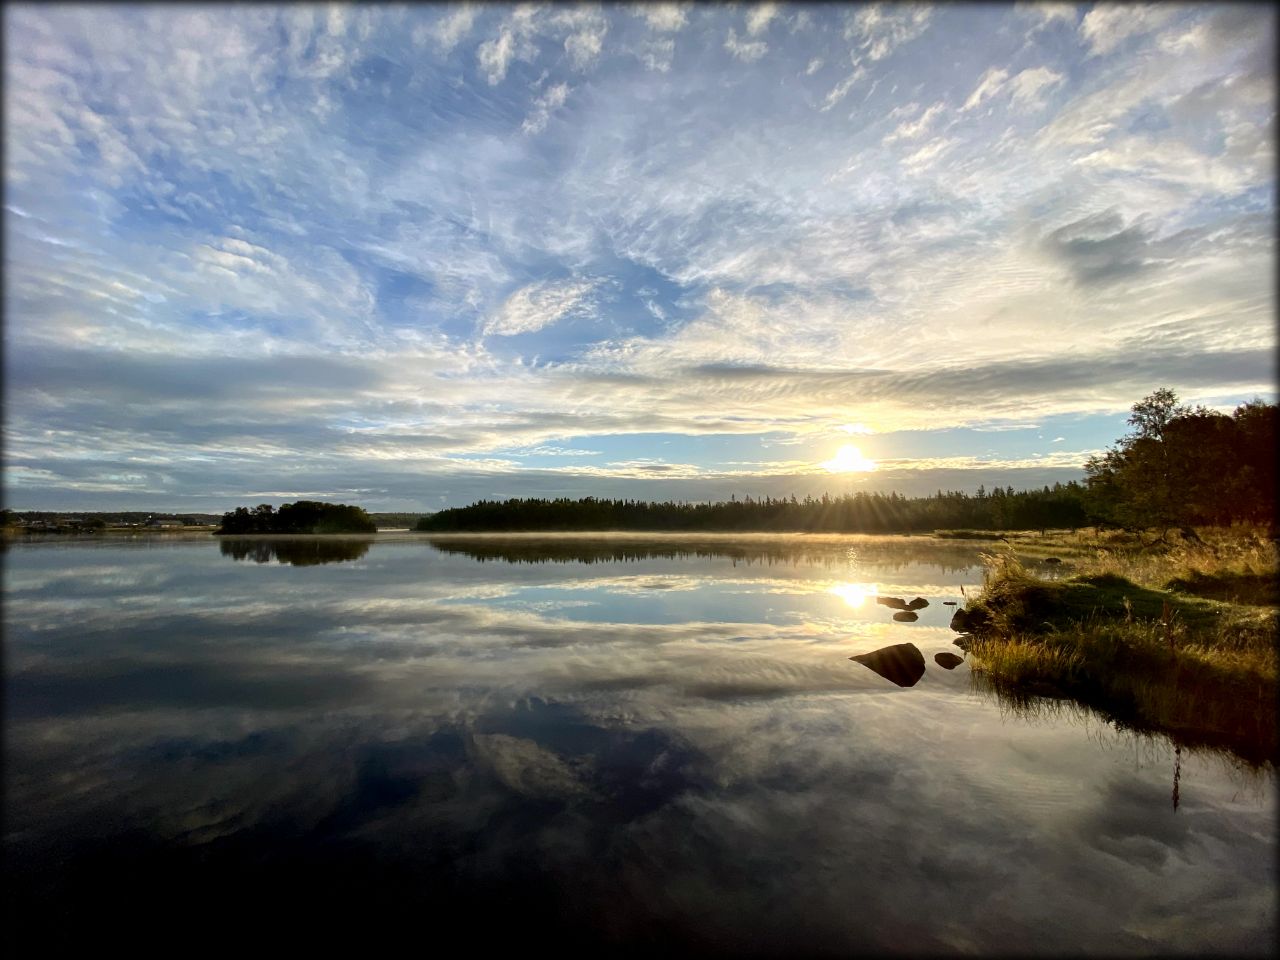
[630, 743]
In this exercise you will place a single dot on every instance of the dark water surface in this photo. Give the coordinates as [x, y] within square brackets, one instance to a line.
[647, 744]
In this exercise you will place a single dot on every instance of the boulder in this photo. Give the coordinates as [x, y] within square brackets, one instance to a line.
[968, 621]
[902, 663]
[906, 616]
[896, 602]
[919, 603]
[948, 661]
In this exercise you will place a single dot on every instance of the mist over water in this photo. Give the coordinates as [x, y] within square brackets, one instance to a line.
[640, 742]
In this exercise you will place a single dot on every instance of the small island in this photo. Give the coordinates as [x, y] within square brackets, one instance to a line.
[305, 516]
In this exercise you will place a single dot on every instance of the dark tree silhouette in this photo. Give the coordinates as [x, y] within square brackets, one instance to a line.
[305, 516]
[1182, 466]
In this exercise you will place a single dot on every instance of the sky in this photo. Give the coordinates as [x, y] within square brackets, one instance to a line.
[414, 256]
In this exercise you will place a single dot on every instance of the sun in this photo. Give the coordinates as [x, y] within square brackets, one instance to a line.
[849, 459]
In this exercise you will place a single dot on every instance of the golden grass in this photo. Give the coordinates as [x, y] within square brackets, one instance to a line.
[1114, 636]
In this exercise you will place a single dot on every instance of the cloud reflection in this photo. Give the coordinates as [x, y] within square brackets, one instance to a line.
[370, 749]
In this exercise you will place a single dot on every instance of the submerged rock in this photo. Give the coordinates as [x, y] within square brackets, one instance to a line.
[948, 661]
[896, 602]
[906, 616]
[1052, 560]
[919, 603]
[902, 663]
[948, 603]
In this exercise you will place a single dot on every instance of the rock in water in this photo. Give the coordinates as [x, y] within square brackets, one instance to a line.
[960, 621]
[906, 616]
[948, 603]
[919, 603]
[902, 663]
[948, 661]
[896, 602]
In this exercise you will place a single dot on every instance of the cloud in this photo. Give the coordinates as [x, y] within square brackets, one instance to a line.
[911, 129]
[665, 17]
[930, 152]
[988, 85]
[202, 191]
[1100, 248]
[841, 89]
[537, 306]
[584, 45]
[516, 39]
[747, 51]
[1108, 25]
[550, 450]
[495, 56]
[657, 54]
[1025, 87]
[1047, 12]
[878, 31]
[1028, 84]
[449, 30]
[759, 17]
[551, 99]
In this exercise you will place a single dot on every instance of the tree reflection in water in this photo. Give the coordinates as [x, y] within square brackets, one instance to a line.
[296, 553]
[891, 553]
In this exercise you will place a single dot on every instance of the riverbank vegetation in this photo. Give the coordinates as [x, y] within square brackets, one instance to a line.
[1179, 638]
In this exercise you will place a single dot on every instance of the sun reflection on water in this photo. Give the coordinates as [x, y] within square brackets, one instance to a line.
[854, 594]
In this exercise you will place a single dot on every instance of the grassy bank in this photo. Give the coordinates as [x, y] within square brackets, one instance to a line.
[1179, 638]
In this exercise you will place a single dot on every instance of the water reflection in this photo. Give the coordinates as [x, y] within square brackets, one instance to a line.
[296, 552]
[1255, 747]
[853, 594]
[788, 550]
[452, 748]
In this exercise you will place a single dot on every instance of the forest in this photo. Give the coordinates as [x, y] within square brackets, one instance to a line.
[1177, 468]
[1002, 509]
[305, 516]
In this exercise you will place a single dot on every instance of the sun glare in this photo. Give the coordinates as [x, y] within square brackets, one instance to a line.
[854, 594]
[849, 459]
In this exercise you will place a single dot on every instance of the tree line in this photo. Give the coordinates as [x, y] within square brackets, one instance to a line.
[1180, 467]
[1061, 505]
[305, 516]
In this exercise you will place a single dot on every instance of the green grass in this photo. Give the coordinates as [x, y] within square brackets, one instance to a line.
[1180, 641]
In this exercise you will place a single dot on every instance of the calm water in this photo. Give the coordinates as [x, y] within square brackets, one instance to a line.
[647, 743]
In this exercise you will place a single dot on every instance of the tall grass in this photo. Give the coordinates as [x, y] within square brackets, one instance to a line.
[1114, 636]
